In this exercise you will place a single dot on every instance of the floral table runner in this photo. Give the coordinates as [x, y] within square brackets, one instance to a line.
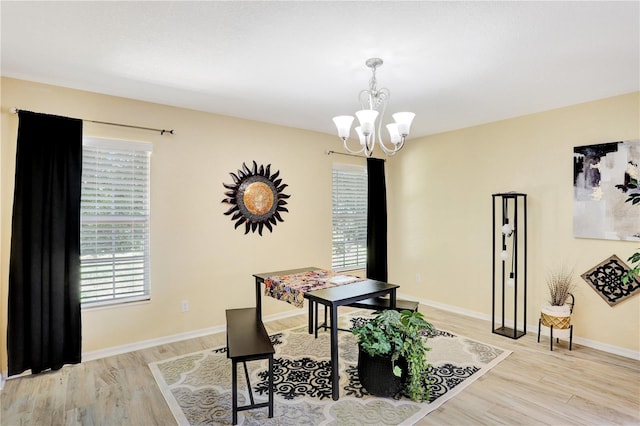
[291, 288]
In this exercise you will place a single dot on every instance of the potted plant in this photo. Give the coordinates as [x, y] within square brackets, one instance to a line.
[392, 354]
[635, 268]
[557, 311]
[630, 186]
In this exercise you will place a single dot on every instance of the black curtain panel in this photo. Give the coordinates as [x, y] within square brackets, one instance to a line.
[376, 221]
[44, 326]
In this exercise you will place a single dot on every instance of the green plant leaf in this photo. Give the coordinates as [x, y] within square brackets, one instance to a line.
[397, 371]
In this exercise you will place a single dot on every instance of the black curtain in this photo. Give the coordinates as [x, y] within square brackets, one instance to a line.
[376, 221]
[43, 327]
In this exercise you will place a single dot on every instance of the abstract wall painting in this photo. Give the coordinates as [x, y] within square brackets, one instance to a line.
[606, 279]
[606, 194]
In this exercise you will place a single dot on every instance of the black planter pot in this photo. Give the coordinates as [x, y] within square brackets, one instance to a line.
[376, 374]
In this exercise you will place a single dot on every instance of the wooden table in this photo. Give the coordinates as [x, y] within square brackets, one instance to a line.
[332, 297]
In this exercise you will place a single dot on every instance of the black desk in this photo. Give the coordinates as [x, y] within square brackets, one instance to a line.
[332, 297]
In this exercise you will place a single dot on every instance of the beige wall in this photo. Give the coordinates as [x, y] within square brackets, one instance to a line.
[440, 216]
[197, 255]
[439, 209]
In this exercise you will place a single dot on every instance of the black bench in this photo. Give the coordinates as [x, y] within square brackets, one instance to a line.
[375, 303]
[247, 340]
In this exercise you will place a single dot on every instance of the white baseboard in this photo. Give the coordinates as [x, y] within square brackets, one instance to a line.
[449, 308]
[605, 347]
[117, 350]
[144, 344]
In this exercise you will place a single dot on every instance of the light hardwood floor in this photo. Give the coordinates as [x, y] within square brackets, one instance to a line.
[533, 386]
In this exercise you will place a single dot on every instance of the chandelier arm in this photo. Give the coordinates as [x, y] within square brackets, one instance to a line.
[366, 101]
[370, 144]
[395, 148]
[383, 95]
[346, 146]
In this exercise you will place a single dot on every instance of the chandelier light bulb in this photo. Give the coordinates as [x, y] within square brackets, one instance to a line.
[507, 229]
[403, 120]
[343, 124]
[511, 282]
[394, 135]
[504, 255]
[361, 136]
[367, 119]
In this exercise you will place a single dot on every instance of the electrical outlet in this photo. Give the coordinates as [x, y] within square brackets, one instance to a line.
[185, 306]
[418, 278]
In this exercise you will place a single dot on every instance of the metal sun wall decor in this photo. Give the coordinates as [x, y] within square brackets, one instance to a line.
[256, 197]
[606, 279]
[606, 192]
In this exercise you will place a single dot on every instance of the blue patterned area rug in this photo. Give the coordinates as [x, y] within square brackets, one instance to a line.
[197, 386]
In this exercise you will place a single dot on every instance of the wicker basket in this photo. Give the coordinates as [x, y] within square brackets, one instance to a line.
[554, 321]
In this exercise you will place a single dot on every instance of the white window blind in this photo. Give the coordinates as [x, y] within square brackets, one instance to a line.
[349, 242]
[114, 213]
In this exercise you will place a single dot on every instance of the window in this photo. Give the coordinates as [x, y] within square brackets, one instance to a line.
[349, 243]
[114, 222]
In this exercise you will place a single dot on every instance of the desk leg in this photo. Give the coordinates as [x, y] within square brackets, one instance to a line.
[271, 387]
[234, 392]
[258, 299]
[392, 299]
[311, 323]
[335, 377]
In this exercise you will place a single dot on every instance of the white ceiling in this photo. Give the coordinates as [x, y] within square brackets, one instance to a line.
[455, 64]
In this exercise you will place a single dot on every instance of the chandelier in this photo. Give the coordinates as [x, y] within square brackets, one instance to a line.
[373, 102]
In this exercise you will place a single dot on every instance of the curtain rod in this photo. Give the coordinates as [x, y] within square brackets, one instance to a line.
[328, 152]
[162, 131]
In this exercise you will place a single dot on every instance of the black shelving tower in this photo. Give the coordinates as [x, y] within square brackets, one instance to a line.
[510, 230]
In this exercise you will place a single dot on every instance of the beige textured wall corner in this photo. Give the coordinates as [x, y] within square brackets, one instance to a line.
[440, 216]
[197, 255]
